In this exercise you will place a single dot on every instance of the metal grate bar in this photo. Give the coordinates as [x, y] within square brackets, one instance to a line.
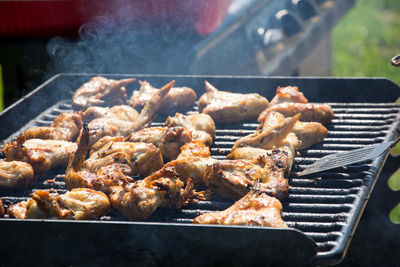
[320, 205]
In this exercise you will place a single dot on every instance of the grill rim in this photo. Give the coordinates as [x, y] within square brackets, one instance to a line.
[351, 222]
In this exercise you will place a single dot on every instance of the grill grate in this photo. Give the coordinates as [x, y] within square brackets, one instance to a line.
[320, 205]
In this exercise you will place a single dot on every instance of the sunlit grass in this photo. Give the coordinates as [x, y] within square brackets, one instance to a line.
[366, 39]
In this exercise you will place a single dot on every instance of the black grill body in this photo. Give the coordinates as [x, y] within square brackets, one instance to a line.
[322, 210]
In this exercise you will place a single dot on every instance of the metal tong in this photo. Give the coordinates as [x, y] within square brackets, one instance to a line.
[348, 157]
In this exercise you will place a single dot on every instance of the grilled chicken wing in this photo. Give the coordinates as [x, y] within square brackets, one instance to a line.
[255, 208]
[227, 107]
[15, 173]
[309, 133]
[289, 94]
[100, 91]
[168, 139]
[177, 98]
[111, 161]
[201, 126]
[192, 163]
[42, 155]
[270, 134]
[234, 178]
[139, 200]
[78, 204]
[309, 112]
[122, 120]
[142, 158]
[65, 127]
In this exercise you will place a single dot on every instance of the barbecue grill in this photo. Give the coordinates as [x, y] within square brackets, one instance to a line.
[322, 210]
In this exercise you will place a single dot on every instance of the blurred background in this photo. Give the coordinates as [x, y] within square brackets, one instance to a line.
[339, 38]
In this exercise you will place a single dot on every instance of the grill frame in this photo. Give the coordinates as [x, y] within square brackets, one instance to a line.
[377, 91]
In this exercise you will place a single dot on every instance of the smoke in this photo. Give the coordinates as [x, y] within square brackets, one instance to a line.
[121, 41]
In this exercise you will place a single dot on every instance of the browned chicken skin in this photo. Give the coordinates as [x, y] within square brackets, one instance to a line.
[65, 127]
[110, 162]
[15, 174]
[139, 200]
[201, 126]
[122, 120]
[289, 94]
[78, 204]
[100, 91]
[256, 208]
[142, 158]
[227, 107]
[168, 139]
[192, 163]
[309, 133]
[115, 121]
[42, 155]
[308, 112]
[271, 132]
[177, 98]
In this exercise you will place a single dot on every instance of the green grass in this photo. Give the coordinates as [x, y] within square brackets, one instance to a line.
[366, 39]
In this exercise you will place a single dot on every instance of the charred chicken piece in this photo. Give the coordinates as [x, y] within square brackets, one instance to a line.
[118, 112]
[42, 155]
[234, 178]
[139, 200]
[111, 161]
[142, 158]
[192, 163]
[308, 112]
[168, 139]
[78, 204]
[288, 94]
[256, 208]
[177, 98]
[122, 120]
[15, 174]
[100, 91]
[227, 107]
[65, 127]
[201, 126]
[270, 133]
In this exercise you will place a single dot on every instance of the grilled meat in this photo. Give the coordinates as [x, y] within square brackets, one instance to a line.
[42, 155]
[122, 120]
[139, 200]
[177, 98]
[234, 178]
[271, 132]
[100, 91]
[168, 139]
[201, 126]
[256, 208]
[15, 173]
[110, 162]
[65, 127]
[78, 204]
[288, 94]
[308, 112]
[309, 133]
[192, 163]
[227, 107]
[142, 158]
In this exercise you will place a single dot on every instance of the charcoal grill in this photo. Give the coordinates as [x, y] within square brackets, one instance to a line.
[322, 210]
